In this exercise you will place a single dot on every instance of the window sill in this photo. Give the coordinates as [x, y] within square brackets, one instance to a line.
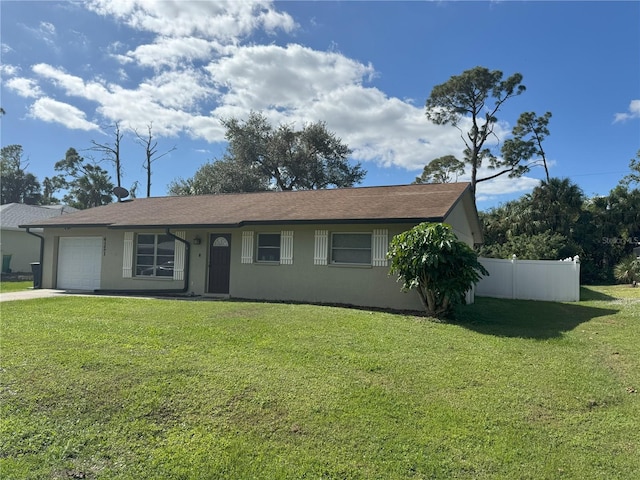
[350, 265]
[159, 279]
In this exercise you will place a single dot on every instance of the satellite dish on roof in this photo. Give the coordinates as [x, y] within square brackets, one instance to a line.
[121, 193]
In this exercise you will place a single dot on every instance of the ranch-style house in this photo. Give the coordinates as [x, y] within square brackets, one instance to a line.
[316, 246]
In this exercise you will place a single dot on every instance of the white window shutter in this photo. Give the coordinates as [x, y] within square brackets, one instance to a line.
[247, 247]
[127, 255]
[321, 246]
[286, 247]
[178, 257]
[380, 247]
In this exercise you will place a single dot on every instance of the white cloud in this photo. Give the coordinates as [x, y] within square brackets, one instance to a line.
[177, 89]
[225, 20]
[7, 70]
[46, 32]
[48, 29]
[49, 110]
[4, 48]
[189, 31]
[287, 77]
[496, 188]
[171, 52]
[169, 100]
[25, 87]
[71, 84]
[633, 112]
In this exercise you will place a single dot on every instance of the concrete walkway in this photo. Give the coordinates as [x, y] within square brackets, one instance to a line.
[50, 292]
[31, 293]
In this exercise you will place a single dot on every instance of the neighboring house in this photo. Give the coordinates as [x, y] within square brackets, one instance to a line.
[317, 246]
[19, 249]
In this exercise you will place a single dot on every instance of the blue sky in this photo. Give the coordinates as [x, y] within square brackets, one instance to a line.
[72, 69]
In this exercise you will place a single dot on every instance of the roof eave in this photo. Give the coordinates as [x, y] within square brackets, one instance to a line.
[320, 221]
[475, 217]
[64, 225]
[19, 228]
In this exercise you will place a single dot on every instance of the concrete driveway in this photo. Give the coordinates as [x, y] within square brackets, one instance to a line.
[31, 293]
[50, 292]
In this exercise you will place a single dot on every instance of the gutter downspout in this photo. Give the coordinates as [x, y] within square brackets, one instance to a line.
[39, 282]
[184, 289]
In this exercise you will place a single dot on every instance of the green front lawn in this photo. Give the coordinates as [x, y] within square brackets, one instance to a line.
[15, 286]
[107, 388]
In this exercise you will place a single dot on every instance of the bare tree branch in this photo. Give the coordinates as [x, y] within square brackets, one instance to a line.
[110, 152]
[151, 152]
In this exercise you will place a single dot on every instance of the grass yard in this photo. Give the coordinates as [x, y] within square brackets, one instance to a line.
[113, 388]
[15, 286]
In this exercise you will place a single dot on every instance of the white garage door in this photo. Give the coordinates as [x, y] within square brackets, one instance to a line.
[79, 263]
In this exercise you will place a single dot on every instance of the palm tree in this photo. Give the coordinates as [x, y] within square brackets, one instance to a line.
[628, 270]
[557, 204]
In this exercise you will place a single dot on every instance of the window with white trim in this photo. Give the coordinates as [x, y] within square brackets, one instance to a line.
[155, 255]
[351, 248]
[268, 247]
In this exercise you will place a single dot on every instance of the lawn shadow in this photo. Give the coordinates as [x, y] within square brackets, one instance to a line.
[525, 318]
[587, 294]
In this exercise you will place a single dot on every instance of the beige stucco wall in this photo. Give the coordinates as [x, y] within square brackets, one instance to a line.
[111, 270]
[23, 248]
[459, 217]
[302, 281]
[306, 282]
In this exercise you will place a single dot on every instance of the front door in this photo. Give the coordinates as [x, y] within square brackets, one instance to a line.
[219, 263]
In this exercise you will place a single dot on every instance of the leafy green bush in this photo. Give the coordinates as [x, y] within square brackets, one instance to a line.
[441, 268]
[540, 246]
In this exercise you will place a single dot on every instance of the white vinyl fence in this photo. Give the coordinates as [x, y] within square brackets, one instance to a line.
[550, 280]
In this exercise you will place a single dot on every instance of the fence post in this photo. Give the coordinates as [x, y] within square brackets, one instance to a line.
[576, 271]
[514, 275]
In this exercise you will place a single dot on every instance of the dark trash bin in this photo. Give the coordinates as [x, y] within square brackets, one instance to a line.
[6, 263]
[36, 269]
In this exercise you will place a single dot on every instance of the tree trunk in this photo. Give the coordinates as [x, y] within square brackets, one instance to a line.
[148, 178]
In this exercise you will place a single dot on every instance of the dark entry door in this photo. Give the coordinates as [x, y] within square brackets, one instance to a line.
[219, 263]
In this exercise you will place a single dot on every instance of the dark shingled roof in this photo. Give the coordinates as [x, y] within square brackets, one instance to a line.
[14, 214]
[349, 205]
